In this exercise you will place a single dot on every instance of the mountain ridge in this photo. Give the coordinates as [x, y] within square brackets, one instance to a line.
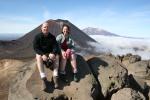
[97, 31]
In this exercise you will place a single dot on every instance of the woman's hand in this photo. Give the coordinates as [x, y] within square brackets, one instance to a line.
[68, 53]
[63, 54]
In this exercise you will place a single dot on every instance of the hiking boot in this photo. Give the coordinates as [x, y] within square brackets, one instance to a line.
[63, 78]
[44, 84]
[55, 80]
[75, 77]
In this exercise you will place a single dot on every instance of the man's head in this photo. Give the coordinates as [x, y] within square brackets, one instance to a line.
[44, 28]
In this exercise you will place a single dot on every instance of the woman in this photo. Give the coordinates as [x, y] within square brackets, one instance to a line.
[67, 52]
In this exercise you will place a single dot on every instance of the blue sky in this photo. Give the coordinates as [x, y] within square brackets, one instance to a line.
[123, 17]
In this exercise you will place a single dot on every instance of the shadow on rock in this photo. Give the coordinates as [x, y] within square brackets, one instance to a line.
[96, 62]
[136, 86]
[83, 70]
[50, 87]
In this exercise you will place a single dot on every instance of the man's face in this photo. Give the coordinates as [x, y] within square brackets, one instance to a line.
[44, 28]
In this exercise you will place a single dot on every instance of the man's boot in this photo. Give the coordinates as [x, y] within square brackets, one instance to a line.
[63, 77]
[55, 79]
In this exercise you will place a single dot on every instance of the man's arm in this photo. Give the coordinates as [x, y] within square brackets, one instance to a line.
[36, 46]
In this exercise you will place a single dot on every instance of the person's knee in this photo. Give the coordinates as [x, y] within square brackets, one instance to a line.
[57, 57]
[56, 61]
[63, 58]
[73, 56]
[38, 57]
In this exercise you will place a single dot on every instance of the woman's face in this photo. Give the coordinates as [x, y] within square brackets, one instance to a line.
[65, 30]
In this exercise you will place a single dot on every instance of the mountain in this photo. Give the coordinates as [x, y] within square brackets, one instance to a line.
[96, 31]
[22, 47]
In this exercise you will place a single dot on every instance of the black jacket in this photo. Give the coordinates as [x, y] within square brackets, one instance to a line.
[45, 44]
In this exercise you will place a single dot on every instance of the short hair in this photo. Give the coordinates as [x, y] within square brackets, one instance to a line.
[45, 23]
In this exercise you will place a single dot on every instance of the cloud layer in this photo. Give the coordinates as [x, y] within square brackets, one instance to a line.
[121, 45]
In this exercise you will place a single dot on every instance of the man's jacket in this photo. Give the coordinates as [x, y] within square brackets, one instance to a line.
[45, 44]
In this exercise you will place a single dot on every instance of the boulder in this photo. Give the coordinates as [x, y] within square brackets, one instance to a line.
[17, 85]
[139, 74]
[111, 74]
[119, 57]
[85, 89]
[140, 69]
[8, 71]
[127, 56]
[134, 58]
[127, 94]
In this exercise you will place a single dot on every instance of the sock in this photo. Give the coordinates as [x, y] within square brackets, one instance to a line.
[42, 75]
[75, 71]
[55, 72]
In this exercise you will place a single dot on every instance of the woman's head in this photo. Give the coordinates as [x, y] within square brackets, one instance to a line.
[65, 29]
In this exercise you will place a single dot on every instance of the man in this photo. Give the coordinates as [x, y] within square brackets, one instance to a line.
[46, 47]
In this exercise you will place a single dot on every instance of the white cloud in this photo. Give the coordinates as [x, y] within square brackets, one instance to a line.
[120, 45]
[24, 24]
[46, 14]
[20, 19]
[17, 24]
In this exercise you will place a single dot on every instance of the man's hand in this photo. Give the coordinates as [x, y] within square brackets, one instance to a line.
[44, 57]
[52, 56]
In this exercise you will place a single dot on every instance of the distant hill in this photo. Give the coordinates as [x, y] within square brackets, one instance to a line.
[97, 31]
[9, 36]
